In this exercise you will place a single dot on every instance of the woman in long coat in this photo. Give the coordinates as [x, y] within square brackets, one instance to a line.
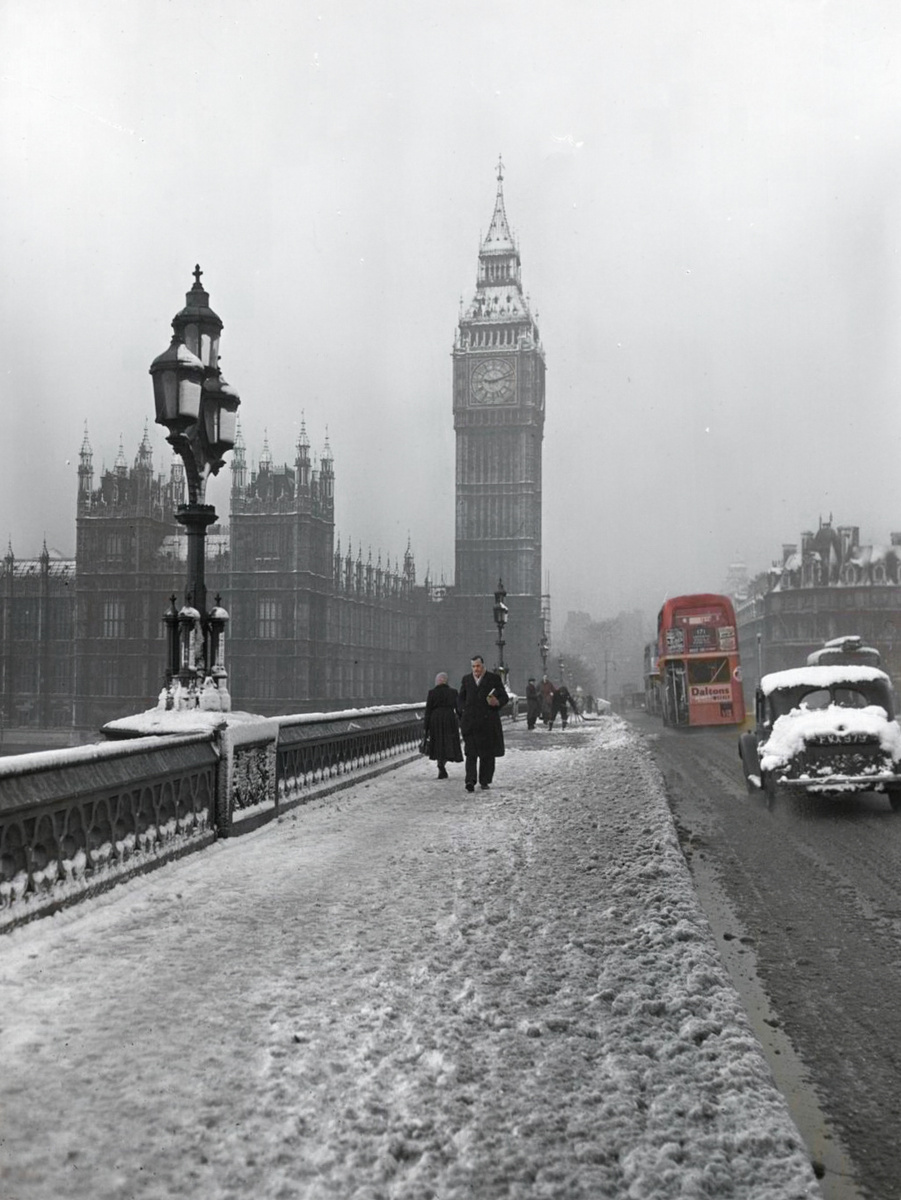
[442, 725]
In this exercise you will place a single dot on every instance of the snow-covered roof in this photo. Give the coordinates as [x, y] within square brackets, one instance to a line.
[821, 677]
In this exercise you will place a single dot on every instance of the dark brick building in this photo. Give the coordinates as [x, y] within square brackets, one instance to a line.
[311, 626]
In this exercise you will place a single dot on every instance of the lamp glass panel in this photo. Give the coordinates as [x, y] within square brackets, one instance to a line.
[192, 338]
[165, 393]
[189, 398]
[228, 428]
[211, 421]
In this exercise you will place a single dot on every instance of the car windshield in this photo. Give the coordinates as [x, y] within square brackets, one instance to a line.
[844, 697]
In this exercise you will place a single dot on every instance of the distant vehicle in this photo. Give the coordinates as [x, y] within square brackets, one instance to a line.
[824, 730]
[698, 669]
[631, 697]
[845, 650]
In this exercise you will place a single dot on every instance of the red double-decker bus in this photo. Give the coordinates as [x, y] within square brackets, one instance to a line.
[699, 670]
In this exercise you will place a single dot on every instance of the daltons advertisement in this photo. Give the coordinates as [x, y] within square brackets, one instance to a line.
[710, 693]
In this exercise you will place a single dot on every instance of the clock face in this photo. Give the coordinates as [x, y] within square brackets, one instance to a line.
[493, 381]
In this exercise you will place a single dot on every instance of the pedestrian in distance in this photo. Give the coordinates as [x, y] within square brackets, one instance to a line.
[533, 703]
[547, 690]
[562, 703]
[441, 725]
[482, 696]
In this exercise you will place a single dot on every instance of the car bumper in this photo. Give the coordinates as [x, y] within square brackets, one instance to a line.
[839, 784]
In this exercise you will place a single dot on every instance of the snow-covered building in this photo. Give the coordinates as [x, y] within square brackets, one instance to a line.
[826, 586]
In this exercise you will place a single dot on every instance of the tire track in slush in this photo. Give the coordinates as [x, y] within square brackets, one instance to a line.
[804, 912]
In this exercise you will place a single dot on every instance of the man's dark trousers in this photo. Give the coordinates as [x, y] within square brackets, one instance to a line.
[479, 766]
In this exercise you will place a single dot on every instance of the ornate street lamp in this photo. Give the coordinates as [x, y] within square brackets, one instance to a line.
[199, 410]
[500, 619]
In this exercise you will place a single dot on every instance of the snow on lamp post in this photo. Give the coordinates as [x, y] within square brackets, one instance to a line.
[500, 619]
[199, 410]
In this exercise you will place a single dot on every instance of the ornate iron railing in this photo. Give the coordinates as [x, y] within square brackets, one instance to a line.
[75, 821]
[314, 751]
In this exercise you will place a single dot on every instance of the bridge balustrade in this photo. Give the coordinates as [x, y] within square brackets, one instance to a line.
[76, 821]
[313, 752]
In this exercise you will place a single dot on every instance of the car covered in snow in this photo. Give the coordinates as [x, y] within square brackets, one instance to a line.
[825, 730]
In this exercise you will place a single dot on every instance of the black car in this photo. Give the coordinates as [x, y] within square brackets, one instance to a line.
[824, 730]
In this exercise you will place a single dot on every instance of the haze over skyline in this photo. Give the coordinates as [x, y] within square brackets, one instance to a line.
[707, 201]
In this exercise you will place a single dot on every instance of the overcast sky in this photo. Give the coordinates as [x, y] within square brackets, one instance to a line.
[707, 199]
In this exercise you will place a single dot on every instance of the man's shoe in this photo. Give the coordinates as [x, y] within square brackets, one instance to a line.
[484, 786]
[442, 774]
[470, 787]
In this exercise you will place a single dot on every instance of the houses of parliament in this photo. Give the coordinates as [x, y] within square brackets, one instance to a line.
[312, 625]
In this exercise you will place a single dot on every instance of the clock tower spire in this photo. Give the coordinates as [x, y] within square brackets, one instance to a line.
[498, 399]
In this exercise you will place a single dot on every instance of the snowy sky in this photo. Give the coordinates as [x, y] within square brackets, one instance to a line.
[706, 198]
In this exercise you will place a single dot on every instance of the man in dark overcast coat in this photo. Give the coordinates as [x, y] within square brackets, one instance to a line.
[482, 695]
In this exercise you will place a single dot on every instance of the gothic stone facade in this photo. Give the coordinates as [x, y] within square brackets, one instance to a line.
[831, 586]
[310, 627]
[498, 404]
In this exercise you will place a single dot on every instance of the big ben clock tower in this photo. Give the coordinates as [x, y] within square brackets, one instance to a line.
[499, 373]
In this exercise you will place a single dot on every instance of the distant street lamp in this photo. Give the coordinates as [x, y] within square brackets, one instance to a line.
[560, 664]
[500, 619]
[199, 410]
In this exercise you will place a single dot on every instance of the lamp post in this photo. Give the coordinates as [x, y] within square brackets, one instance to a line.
[198, 408]
[560, 664]
[607, 663]
[500, 620]
[543, 649]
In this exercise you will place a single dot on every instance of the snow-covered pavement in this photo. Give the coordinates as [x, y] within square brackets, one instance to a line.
[400, 991]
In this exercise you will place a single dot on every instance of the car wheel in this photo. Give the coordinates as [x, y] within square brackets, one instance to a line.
[768, 783]
[894, 799]
[750, 765]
